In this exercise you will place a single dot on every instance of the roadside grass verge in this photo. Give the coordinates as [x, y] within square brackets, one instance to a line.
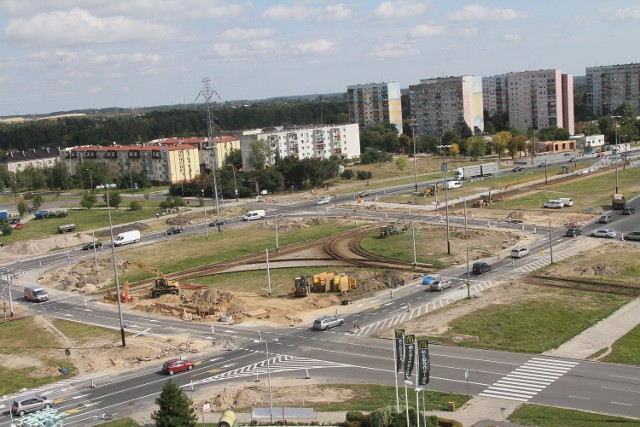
[625, 350]
[129, 422]
[530, 325]
[82, 333]
[547, 416]
[368, 397]
[181, 253]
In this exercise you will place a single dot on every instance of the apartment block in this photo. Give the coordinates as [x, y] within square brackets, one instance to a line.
[304, 142]
[440, 104]
[39, 158]
[223, 145]
[539, 99]
[495, 94]
[609, 86]
[375, 103]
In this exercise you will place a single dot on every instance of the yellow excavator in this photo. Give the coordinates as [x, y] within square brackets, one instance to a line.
[162, 285]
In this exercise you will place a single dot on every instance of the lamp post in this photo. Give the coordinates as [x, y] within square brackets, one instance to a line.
[615, 125]
[8, 278]
[545, 171]
[406, 400]
[90, 178]
[415, 167]
[418, 390]
[235, 183]
[446, 196]
[550, 244]
[206, 226]
[277, 241]
[266, 347]
[115, 267]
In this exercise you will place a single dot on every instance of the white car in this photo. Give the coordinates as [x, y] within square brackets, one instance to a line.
[609, 234]
[324, 201]
[519, 252]
[439, 285]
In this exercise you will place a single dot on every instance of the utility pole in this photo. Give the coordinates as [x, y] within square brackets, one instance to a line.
[207, 93]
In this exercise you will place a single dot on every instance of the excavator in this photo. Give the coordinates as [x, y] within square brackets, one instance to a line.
[162, 285]
[393, 229]
[301, 286]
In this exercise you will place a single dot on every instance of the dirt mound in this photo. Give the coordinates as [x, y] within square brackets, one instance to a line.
[601, 270]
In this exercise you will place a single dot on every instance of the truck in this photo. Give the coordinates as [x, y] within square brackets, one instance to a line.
[474, 171]
[41, 214]
[4, 215]
[621, 148]
[393, 229]
[162, 285]
[618, 202]
[127, 237]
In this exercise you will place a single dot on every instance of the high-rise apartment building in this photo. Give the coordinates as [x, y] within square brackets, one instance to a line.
[494, 94]
[441, 104]
[375, 103]
[610, 85]
[539, 99]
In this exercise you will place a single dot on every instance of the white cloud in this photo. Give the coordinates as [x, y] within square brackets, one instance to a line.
[95, 89]
[304, 13]
[476, 12]
[468, 31]
[422, 31]
[626, 13]
[78, 26]
[321, 46]
[399, 9]
[246, 33]
[394, 50]
[512, 37]
[242, 51]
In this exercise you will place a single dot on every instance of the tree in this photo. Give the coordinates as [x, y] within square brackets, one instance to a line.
[234, 158]
[478, 146]
[259, 153]
[37, 202]
[5, 228]
[347, 174]
[518, 144]
[500, 142]
[88, 200]
[175, 409]
[454, 150]
[401, 163]
[115, 198]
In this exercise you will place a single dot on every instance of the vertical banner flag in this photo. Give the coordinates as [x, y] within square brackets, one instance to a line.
[399, 344]
[424, 364]
[410, 355]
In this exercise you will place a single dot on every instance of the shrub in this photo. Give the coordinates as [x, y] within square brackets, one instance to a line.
[347, 174]
[381, 417]
[363, 175]
[135, 206]
[357, 418]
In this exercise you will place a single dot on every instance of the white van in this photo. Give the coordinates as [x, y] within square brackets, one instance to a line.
[566, 201]
[554, 204]
[251, 215]
[453, 184]
[35, 293]
[126, 238]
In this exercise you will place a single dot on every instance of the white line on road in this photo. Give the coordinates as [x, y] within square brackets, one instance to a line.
[581, 398]
[620, 389]
[623, 404]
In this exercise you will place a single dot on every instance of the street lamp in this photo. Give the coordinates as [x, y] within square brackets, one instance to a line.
[90, 178]
[266, 347]
[415, 168]
[8, 278]
[113, 254]
[277, 241]
[446, 195]
[206, 226]
[615, 125]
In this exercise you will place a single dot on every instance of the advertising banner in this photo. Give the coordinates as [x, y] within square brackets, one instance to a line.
[410, 355]
[399, 346]
[424, 364]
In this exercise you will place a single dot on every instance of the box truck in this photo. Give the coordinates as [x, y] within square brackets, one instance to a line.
[468, 172]
[126, 238]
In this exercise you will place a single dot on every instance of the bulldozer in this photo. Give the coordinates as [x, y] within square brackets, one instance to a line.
[301, 286]
[482, 201]
[431, 190]
[393, 229]
[162, 285]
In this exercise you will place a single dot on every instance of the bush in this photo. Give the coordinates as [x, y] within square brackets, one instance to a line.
[364, 175]
[347, 174]
[135, 206]
[357, 418]
[5, 228]
[381, 417]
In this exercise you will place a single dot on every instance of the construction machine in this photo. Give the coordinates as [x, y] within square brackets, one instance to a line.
[301, 286]
[482, 201]
[618, 202]
[162, 285]
[393, 229]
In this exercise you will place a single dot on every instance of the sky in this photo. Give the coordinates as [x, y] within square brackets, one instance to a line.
[60, 55]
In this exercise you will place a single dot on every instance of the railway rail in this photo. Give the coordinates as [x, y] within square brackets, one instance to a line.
[584, 285]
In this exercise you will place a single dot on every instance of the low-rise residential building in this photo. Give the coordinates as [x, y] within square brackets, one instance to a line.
[224, 145]
[304, 142]
[16, 161]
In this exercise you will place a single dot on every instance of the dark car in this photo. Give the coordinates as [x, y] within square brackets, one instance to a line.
[92, 245]
[177, 365]
[628, 211]
[604, 219]
[518, 169]
[217, 222]
[572, 232]
[364, 194]
[541, 165]
[176, 229]
[481, 267]
[634, 235]
[14, 221]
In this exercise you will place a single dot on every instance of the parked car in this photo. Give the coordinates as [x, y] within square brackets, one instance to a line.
[634, 235]
[572, 232]
[176, 229]
[519, 252]
[217, 222]
[14, 221]
[30, 403]
[92, 245]
[628, 211]
[328, 322]
[18, 226]
[364, 194]
[324, 201]
[607, 233]
[427, 280]
[177, 365]
[604, 219]
[517, 169]
[554, 204]
[541, 165]
[480, 267]
[439, 285]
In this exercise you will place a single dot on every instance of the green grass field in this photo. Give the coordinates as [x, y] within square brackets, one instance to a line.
[546, 416]
[625, 350]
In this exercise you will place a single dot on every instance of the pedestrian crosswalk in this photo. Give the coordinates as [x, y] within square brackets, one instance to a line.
[533, 263]
[529, 379]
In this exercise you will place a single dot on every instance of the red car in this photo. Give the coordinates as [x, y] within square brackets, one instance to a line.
[18, 226]
[177, 365]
